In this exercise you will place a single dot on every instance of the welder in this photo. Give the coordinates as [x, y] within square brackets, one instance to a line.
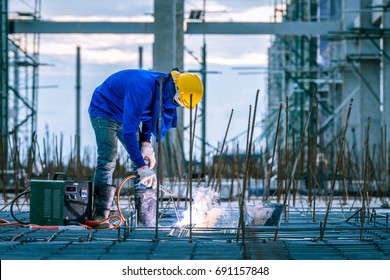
[126, 107]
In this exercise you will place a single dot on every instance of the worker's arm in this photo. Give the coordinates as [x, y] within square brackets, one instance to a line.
[146, 135]
[134, 105]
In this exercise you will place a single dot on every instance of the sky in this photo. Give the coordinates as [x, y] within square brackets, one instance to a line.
[227, 89]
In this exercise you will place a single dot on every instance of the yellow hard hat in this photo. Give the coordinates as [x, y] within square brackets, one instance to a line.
[187, 84]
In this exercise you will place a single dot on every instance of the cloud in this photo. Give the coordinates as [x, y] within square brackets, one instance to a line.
[259, 14]
[245, 59]
[230, 50]
[98, 8]
[110, 55]
[98, 49]
[252, 58]
[106, 53]
[94, 41]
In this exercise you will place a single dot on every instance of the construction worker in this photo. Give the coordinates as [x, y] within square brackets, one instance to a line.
[126, 102]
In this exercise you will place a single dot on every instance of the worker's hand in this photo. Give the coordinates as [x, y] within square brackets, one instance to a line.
[147, 177]
[148, 152]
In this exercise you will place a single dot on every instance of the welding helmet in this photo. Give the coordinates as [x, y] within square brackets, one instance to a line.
[187, 84]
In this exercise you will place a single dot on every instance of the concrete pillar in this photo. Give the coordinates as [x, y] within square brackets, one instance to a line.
[386, 97]
[78, 111]
[370, 101]
[164, 49]
[168, 53]
[369, 81]
[363, 57]
[349, 77]
[385, 75]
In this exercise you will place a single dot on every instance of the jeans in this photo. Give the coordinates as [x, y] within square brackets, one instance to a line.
[107, 132]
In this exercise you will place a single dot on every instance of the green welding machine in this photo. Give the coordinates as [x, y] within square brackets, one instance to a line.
[60, 202]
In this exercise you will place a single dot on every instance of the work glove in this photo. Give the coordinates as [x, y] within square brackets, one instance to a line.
[148, 153]
[147, 177]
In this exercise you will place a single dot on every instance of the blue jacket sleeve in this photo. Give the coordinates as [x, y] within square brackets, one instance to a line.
[135, 104]
[146, 133]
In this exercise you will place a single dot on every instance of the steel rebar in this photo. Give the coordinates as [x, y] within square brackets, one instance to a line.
[337, 167]
[159, 154]
[221, 151]
[266, 191]
[190, 168]
[286, 151]
[246, 174]
[292, 176]
[241, 196]
[367, 155]
[315, 164]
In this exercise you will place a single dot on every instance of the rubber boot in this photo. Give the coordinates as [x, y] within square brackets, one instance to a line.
[145, 204]
[103, 197]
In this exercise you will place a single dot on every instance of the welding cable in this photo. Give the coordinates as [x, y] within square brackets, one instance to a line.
[5, 206]
[4, 222]
[132, 176]
[12, 206]
[91, 224]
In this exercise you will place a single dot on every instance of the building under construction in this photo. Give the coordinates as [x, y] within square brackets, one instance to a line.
[317, 189]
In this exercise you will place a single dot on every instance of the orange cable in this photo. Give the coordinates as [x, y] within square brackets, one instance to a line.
[4, 222]
[118, 194]
[91, 224]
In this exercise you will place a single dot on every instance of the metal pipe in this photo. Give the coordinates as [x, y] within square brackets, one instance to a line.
[140, 57]
[384, 160]
[78, 112]
[190, 168]
[286, 147]
[315, 165]
[204, 99]
[159, 165]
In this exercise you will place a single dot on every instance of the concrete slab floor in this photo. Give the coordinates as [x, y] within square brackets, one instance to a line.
[298, 238]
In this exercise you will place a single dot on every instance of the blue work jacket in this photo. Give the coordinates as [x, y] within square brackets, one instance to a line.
[131, 97]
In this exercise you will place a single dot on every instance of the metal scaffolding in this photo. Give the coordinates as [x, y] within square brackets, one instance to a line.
[19, 94]
[340, 65]
[4, 85]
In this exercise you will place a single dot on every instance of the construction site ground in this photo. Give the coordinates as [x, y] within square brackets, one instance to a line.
[298, 237]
